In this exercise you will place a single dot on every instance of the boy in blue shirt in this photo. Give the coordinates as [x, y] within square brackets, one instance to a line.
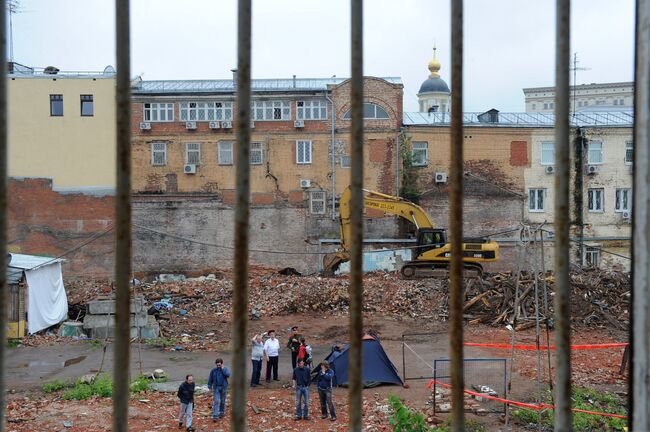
[218, 383]
[301, 380]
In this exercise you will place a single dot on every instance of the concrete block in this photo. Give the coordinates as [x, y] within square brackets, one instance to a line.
[103, 333]
[151, 330]
[106, 305]
[102, 321]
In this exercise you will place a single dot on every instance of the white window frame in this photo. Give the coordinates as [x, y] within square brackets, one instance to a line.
[152, 112]
[550, 147]
[225, 154]
[345, 161]
[623, 200]
[592, 200]
[314, 109]
[257, 153]
[205, 111]
[317, 197]
[592, 149]
[306, 151]
[420, 147]
[192, 147]
[266, 110]
[533, 204]
[162, 149]
[592, 256]
[372, 106]
[629, 150]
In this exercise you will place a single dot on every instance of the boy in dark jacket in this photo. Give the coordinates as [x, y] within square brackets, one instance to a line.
[324, 385]
[186, 395]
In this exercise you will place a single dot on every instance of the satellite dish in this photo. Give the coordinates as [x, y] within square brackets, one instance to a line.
[109, 70]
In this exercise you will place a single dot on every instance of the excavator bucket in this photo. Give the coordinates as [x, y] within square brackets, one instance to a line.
[332, 261]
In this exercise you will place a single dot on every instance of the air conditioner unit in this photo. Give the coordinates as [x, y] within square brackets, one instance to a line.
[214, 125]
[189, 169]
[299, 124]
[226, 125]
[305, 183]
[145, 126]
[592, 169]
[190, 125]
[627, 215]
[441, 177]
[549, 169]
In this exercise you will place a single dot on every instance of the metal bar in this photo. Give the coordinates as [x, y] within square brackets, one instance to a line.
[242, 216]
[562, 218]
[122, 349]
[456, 289]
[4, 295]
[355, 406]
[640, 366]
[403, 360]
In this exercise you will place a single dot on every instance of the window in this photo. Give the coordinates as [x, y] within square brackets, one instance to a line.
[158, 112]
[548, 153]
[545, 106]
[345, 161]
[615, 101]
[621, 102]
[56, 105]
[596, 200]
[205, 111]
[536, 199]
[586, 103]
[420, 153]
[595, 156]
[257, 153]
[629, 153]
[87, 108]
[225, 153]
[551, 105]
[311, 110]
[271, 110]
[534, 107]
[370, 111]
[303, 152]
[158, 153]
[317, 202]
[193, 153]
[592, 256]
[623, 200]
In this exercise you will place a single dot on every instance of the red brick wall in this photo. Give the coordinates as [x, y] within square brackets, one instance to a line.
[518, 153]
[45, 222]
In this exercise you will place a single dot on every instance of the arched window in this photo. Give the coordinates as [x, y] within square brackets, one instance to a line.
[370, 111]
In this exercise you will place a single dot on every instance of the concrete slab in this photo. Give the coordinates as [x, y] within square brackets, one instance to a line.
[102, 321]
[106, 305]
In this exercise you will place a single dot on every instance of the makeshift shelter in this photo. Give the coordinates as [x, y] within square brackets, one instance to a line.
[36, 281]
[377, 367]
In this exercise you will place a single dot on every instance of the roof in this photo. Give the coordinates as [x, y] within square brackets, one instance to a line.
[582, 86]
[30, 262]
[579, 119]
[433, 85]
[227, 85]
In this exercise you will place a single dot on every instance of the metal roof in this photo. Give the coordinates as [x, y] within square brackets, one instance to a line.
[30, 262]
[227, 85]
[579, 119]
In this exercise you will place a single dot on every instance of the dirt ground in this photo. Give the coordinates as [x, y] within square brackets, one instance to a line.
[202, 334]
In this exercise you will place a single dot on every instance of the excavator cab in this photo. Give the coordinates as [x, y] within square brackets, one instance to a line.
[430, 238]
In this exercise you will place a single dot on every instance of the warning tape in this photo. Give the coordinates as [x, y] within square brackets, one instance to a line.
[544, 348]
[533, 406]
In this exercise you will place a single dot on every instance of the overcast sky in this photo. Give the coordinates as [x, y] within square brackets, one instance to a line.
[509, 44]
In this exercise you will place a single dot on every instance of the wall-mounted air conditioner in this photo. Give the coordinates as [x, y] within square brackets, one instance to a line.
[441, 177]
[214, 125]
[305, 183]
[299, 124]
[145, 126]
[189, 169]
[592, 169]
[549, 169]
[627, 215]
[226, 125]
[190, 125]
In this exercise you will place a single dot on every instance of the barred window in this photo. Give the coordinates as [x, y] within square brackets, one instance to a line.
[629, 153]
[257, 153]
[596, 198]
[303, 152]
[158, 153]
[311, 110]
[225, 153]
[158, 112]
[193, 153]
[271, 110]
[623, 200]
[592, 256]
[345, 161]
[317, 202]
[205, 111]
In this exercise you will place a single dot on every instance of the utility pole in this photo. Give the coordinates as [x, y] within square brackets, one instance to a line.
[13, 7]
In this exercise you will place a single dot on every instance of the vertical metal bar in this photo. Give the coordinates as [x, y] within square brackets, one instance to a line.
[356, 219]
[242, 216]
[640, 326]
[456, 221]
[122, 348]
[562, 219]
[3, 216]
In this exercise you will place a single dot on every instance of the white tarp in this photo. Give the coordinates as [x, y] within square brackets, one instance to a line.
[48, 303]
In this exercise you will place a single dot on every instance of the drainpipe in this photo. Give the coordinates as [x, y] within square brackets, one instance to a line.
[578, 192]
[332, 148]
[397, 160]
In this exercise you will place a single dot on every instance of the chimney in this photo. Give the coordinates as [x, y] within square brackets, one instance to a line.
[294, 81]
[234, 78]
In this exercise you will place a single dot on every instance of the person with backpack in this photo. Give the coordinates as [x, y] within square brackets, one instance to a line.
[218, 383]
[324, 386]
[304, 352]
[186, 395]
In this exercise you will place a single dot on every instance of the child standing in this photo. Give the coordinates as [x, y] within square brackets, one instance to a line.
[186, 395]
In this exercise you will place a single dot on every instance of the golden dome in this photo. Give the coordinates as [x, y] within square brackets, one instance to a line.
[434, 66]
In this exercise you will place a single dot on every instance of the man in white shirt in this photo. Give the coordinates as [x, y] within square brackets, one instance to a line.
[271, 353]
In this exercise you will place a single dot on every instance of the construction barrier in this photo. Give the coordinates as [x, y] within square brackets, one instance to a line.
[532, 406]
[544, 348]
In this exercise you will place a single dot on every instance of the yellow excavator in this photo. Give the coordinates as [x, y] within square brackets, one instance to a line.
[432, 254]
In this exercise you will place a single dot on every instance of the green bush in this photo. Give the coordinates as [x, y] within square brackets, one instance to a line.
[405, 420]
[102, 386]
[53, 386]
[140, 385]
[161, 342]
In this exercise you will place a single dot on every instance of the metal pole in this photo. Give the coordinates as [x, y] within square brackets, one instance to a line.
[640, 326]
[3, 216]
[356, 219]
[123, 269]
[242, 216]
[562, 219]
[333, 161]
[456, 221]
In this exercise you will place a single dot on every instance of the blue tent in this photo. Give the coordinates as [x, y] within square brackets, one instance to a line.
[377, 367]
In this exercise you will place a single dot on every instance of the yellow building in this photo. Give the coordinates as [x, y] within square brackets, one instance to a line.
[62, 126]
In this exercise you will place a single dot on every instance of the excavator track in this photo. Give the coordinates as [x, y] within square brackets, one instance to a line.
[437, 270]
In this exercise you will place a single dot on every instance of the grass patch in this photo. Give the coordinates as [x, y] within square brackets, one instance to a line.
[95, 344]
[13, 343]
[586, 399]
[53, 386]
[102, 386]
[161, 342]
[404, 419]
[140, 385]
